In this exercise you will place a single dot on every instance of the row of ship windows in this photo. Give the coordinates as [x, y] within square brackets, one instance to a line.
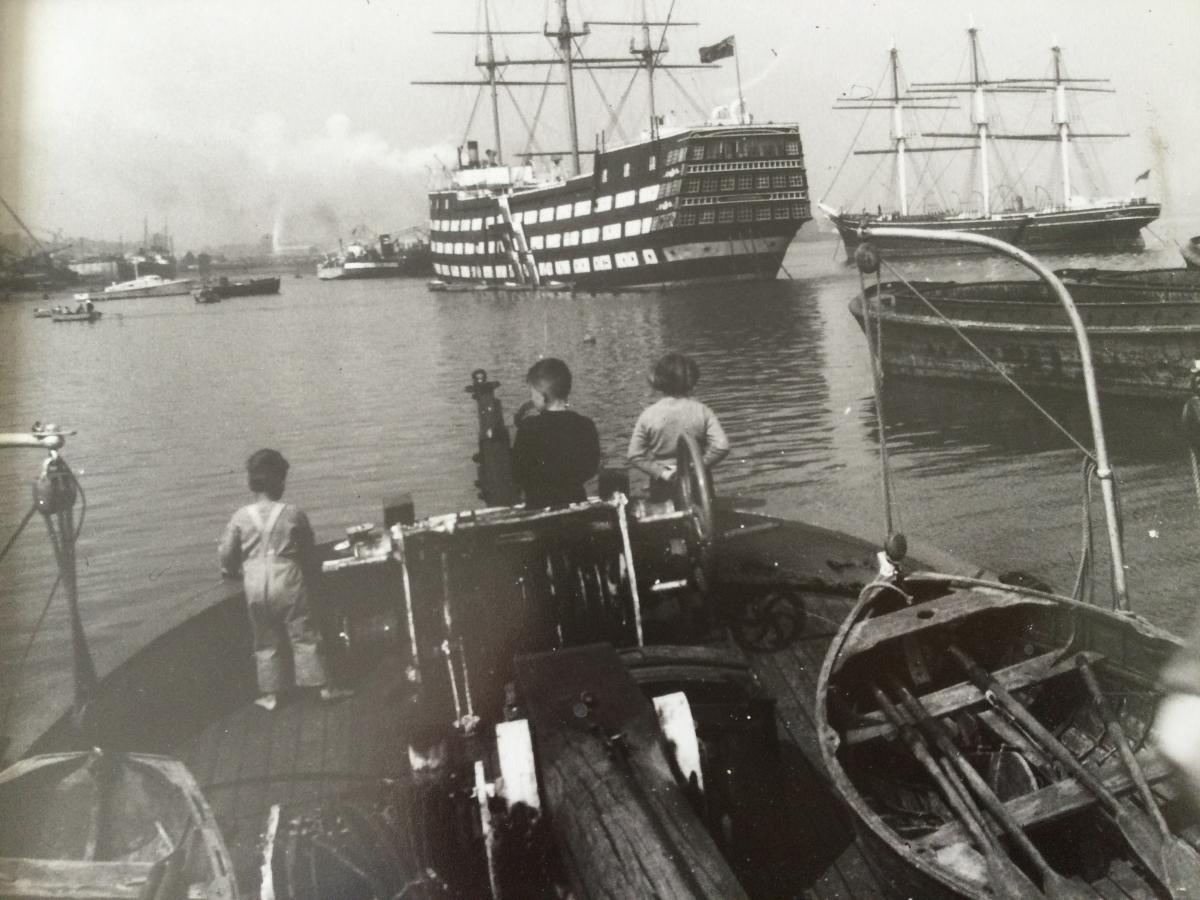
[738, 148]
[710, 183]
[612, 232]
[558, 213]
[744, 166]
[719, 200]
[634, 227]
[728, 214]
[581, 265]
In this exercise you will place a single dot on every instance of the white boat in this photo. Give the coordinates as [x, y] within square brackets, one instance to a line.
[142, 286]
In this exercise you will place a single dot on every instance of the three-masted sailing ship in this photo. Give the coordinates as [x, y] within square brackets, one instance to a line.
[1064, 222]
[712, 202]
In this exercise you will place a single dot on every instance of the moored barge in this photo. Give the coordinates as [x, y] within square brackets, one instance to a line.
[1144, 328]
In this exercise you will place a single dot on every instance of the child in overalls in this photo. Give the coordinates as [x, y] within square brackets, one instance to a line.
[270, 544]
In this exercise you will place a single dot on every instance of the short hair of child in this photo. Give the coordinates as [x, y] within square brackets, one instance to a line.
[550, 376]
[675, 374]
[266, 472]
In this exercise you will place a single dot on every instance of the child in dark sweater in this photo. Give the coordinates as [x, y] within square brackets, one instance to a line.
[557, 450]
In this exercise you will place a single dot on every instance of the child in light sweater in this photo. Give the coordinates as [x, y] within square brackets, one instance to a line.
[658, 429]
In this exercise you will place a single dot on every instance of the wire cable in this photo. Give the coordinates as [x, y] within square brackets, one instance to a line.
[999, 371]
[16, 534]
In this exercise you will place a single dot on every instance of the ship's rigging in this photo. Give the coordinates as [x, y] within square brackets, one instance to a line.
[646, 52]
[935, 95]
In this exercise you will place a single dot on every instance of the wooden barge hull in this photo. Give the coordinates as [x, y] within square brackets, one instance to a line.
[188, 694]
[1060, 229]
[1141, 347]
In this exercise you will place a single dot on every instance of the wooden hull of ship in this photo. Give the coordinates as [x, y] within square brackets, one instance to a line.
[1143, 339]
[270, 776]
[1106, 226]
[1032, 642]
[712, 204]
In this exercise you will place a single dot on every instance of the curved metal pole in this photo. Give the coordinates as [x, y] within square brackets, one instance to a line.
[1103, 470]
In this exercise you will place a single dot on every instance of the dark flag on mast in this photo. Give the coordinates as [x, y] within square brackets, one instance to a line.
[719, 50]
[1142, 177]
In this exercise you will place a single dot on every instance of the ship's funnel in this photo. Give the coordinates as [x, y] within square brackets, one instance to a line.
[473, 154]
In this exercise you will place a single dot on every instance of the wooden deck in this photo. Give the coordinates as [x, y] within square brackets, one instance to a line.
[190, 695]
[304, 753]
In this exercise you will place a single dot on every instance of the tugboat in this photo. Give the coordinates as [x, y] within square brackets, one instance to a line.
[716, 201]
[621, 698]
[386, 257]
[223, 288]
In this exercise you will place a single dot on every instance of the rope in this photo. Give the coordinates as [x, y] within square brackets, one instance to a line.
[16, 534]
[1083, 575]
[1195, 471]
[857, 134]
[1020, 390]
[12, 696]
[875, 346]
[54, 543]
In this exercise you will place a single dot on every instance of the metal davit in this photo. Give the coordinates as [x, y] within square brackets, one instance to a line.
[1103, 469]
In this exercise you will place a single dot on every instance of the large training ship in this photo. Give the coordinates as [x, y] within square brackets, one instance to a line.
[715, 201]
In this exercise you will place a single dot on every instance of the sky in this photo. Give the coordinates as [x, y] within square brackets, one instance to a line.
[226, 120]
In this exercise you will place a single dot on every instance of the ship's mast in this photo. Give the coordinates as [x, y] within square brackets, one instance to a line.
[897, 102]
[979, 118]
[492, 66]
[649, 57]
[1060, 119]
[491, 70]
[1060, 84]
[898, 133]
[565, 37]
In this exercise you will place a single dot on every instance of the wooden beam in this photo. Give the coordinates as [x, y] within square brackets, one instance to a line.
[622, 824]
[1053, 801]
[964, 694]
[72, 878]
[932, 614]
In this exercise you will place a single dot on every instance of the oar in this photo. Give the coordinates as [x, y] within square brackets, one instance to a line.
[1007, 879]
[1181, 863]
[1139, 832]
[1055, 884]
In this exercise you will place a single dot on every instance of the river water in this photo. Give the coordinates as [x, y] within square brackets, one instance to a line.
[360, 384]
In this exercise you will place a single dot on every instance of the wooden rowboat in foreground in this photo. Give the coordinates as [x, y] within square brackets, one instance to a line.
[917, 640]
[995, 742]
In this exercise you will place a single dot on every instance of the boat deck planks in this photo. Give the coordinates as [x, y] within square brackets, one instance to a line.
[302, 754]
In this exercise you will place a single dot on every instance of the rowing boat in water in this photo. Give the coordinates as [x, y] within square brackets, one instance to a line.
[915, 643]
[110, 825]
[88, 315]
[993, 741]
